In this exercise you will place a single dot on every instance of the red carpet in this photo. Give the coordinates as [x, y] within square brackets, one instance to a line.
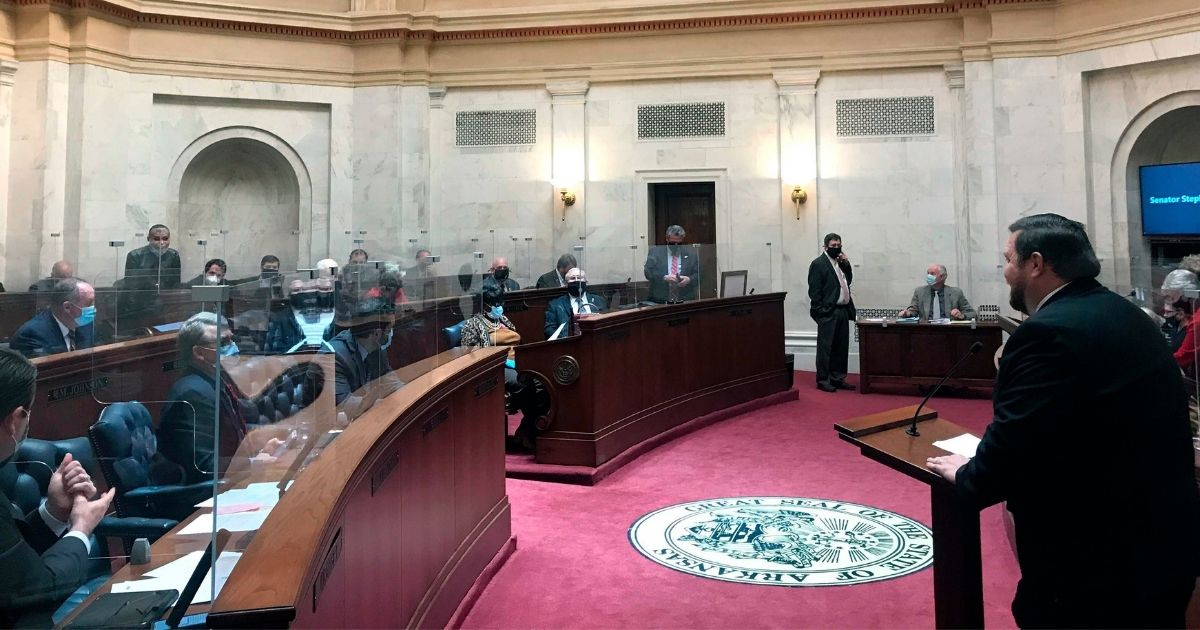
[574, 566]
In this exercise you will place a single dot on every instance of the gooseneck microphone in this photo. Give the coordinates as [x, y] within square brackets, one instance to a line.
[912, 429]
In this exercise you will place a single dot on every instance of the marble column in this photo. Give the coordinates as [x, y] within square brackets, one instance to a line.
[8, 71]
[414, 165]
[956, 78]
[799, 240]
[568, 104]
[988, 235]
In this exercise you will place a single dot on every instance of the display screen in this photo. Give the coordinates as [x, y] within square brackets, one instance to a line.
[1171, 199]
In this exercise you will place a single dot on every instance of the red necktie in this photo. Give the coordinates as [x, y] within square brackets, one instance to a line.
[674, 265]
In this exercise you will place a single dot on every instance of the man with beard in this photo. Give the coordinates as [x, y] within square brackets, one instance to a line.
[1089, 412]
[577, 302]
[831, 306]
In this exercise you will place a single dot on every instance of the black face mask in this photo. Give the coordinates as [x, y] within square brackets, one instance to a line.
[576, 288]
[674, 247]
[834, 252]
[501, 274]
[268, 273]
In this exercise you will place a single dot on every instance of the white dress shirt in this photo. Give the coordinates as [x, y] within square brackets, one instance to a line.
[581, 305]
[66, 333]
[844, 296]
[58, 527]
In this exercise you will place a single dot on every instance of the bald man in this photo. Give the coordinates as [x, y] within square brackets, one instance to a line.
[63, 327]
[60, 271]
[937, 300]
[499, 274]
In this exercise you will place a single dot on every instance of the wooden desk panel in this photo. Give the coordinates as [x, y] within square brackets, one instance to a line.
[921, 354]
[644, 371]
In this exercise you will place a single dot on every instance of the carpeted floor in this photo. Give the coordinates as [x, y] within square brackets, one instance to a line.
[574, 566]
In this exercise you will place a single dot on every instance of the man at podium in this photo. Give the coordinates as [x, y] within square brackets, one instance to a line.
[937, 300]
[1089, 444]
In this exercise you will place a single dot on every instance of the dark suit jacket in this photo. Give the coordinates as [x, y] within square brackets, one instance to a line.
[824, 288]
[509, 283]
[185, 435]
[40, 570]
[549, 280]
[1090, 417]
[559, 310]
[142, 269]
[359, 381]
[656, 267]
[41, 336]
[43, 284]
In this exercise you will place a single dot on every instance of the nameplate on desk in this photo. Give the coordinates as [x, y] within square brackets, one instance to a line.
[327, 566]
[741, 312]
[433, 422]
[75, 390]
[485, 386]
[678, 321]
[384, 470]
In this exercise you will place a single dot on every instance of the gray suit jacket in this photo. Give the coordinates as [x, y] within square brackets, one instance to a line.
[922, 302]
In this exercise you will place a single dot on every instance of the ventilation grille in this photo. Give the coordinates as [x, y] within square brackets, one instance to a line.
[681, 120]
[495, 127]
[899, 116]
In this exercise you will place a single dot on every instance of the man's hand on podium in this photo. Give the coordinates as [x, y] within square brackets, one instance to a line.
[946, 465]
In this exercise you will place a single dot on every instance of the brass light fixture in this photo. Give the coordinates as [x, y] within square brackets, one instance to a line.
[799, 196]
[568, 197]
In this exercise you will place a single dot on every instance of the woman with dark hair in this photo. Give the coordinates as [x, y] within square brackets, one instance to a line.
[490, 327]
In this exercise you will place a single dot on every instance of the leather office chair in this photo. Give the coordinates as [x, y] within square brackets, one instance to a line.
[124, 440]
[453, 334]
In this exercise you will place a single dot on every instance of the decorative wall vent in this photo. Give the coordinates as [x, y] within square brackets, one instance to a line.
[495, 127]
[681, 120]
[897, 116]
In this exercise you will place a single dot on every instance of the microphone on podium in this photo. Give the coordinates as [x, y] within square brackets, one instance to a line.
[912, 429]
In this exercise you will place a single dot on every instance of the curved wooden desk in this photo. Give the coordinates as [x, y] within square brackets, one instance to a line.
[631, 375]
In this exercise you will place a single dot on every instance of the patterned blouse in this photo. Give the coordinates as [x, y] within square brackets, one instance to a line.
[477, 331]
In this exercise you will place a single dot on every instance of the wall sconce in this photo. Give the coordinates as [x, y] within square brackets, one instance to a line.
[568, 197]
[799, 196]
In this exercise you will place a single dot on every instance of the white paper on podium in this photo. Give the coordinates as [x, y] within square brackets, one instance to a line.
[237, 522]
[175, 575]
[557, 331]
[265, 494]
[964, 445]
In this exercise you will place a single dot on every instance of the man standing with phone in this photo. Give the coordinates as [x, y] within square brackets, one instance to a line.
[830, 304]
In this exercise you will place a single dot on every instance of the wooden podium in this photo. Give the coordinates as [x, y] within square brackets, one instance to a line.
[957, 570]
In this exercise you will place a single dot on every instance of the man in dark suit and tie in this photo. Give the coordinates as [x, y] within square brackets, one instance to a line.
[672, 269]
[1089, 444]
[830, 304]
[155, 265]
[44, 554]
[362, 370]
[557, 277]
[63, 326]
[577, 302]
[186, 433]
[938, 300]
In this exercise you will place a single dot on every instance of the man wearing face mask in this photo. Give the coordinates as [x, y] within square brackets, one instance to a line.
[154, 266]
[1177, 309]
[938, 300]
[64, 326]
[45, 553]
[1089, 411]
[576, 303]
[363, 373]
[672, 269]
[557, 277]
[214, 273]
[499, 275]
[831, 306]
[190, 419]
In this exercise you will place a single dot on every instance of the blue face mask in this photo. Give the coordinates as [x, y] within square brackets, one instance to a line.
[497, 311]
[930, 279]
[87, 315]
[229, 349]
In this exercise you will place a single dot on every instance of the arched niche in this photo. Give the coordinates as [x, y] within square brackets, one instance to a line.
[246, 193]
[1167, 131]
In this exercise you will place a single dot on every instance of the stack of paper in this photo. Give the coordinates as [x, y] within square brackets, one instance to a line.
[236, 522]
[265, 494]
[964, 445]
[175, 575]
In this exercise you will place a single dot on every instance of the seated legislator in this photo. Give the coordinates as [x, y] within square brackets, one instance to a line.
[43, 554]
[60, 271]
[557, 277]
[63, 326]
[670, 269]
[214, 273]
[490, 327]
[937, 300]
[155, 265]
[185, 435]
[1177, 310]
[577, 302]
[500, 274]
[363, 373]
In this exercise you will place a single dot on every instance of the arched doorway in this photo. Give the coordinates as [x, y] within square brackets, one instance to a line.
[245, 193]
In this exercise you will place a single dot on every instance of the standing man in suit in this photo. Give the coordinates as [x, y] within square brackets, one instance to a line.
[64, 326]
[186, 433]
[500, 275]
[577, 302]
[672, 269]
[949, 303]
[60, 271]
[557, 277]
[155, 265]
[44, 553]
[1089, 413]
[830, 304]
